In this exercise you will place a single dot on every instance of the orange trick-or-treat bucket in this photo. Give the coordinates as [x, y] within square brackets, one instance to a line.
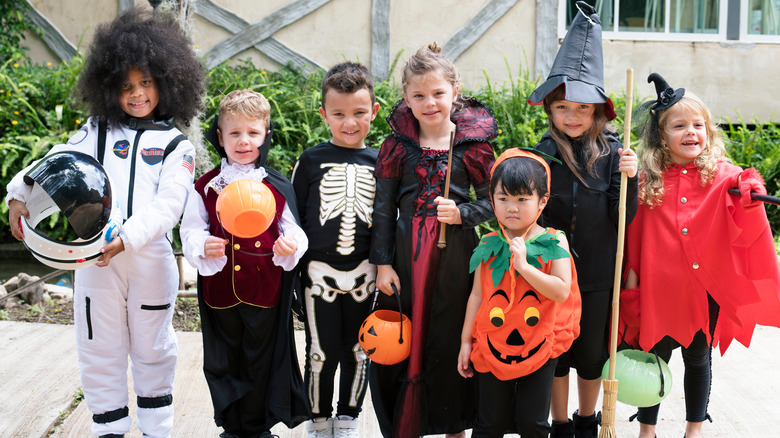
[246, 208]
[385, 335]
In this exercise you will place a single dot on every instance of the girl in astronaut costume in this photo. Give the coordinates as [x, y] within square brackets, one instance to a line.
[125, 307]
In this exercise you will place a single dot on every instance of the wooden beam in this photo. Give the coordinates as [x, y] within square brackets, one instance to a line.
[257, 32]
[546, 36]
[271, 47]
[52, 36]
[380, 39]
[472, 31]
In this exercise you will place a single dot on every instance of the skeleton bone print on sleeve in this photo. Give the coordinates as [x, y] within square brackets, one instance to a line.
[347, 190]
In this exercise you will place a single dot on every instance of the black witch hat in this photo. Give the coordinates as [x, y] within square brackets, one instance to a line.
[579, 64]
[213, 138]
[667, 96]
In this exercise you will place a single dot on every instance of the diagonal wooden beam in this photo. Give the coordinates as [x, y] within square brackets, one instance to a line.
[472, 31]
[380, 39]
[263, 29]
[270, 46]
[52, 36]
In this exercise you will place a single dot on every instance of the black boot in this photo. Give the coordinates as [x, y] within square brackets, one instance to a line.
[585, 427]
[562, 430]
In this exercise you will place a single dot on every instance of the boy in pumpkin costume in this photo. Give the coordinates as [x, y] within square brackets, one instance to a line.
[524, 308]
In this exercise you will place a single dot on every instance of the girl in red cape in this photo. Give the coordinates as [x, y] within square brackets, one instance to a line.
[425, 394]
[524, 308]
[701, 264]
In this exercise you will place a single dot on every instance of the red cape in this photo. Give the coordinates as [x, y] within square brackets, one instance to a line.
[700, 240]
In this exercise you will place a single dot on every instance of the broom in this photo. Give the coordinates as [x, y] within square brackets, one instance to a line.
[611, 384]
[442, 236]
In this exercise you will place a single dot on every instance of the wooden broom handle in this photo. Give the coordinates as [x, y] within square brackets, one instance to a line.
[621, 226]
[442, 237]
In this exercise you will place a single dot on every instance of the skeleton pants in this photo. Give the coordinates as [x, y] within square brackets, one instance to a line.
[337, 302]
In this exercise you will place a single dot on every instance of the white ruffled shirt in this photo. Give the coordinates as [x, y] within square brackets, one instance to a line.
[195, 222]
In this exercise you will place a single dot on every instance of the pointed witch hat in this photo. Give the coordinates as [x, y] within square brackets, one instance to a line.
[579, 64]
[667, 96]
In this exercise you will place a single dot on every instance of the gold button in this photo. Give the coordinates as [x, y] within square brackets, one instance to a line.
[257, 244]
[237, 246]
[685, 171]
[695, 265]
[684, 231]
[237, 267]
[684, 200]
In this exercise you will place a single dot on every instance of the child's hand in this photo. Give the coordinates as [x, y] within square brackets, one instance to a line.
[214, 247]
[517, 248]
[385, 277]
[447, 211]
[629, 162]
[113, 248]
[17, 209]
[752, 182]
[464, 365]
[285, 246]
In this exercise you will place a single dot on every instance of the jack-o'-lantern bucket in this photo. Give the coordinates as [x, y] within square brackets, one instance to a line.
[246, 208]
[385, 335]
[645, 379]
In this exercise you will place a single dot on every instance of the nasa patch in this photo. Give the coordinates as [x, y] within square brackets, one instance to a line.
[152, 155]
[79, 136]
[121, 148]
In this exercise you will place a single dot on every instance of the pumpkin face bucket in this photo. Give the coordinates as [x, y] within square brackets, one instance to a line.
[385, 335]
[246, 208]
[645, 379]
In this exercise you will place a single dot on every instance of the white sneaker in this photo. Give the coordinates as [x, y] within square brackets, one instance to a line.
[319, 428]
[345, 426]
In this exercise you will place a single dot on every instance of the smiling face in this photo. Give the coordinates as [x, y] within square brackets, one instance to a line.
[349, 116]
[241, 137]
[430, 97]
[572, 118]
[516, 212]
[684, 132]
[138, 96]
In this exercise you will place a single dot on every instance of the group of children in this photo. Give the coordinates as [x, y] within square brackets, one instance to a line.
[529, 300]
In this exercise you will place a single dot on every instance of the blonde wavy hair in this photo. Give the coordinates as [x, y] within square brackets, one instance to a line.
[594, 142]
[246, 103]
[654, 154]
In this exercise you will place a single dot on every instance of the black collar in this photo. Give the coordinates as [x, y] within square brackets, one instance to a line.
[145, 124]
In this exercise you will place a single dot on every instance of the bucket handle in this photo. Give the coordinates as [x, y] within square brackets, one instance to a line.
[661, 372]
[400, 314]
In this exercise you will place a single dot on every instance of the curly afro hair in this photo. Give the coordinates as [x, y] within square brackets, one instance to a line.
[156, 45]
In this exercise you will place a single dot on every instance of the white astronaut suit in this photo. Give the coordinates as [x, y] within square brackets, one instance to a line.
[126, 308]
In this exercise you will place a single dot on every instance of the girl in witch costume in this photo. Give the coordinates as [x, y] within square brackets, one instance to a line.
[584, 204]
[524, 308]
[408, 212]
[717, 247]
[245, 284]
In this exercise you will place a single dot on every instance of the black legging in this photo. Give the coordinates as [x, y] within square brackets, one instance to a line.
[697, 358]
[520, 405]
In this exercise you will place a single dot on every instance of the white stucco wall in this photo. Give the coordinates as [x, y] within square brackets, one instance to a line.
[731, 78]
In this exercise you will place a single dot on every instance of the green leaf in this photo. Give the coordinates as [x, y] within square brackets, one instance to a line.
[545, 246]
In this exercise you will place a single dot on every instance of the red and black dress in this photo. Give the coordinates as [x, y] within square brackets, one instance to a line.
[425, 394]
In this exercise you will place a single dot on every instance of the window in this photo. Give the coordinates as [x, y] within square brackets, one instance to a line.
[761, 20]
[672, 20]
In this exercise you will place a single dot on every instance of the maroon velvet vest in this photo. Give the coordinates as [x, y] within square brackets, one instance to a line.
[247, 277]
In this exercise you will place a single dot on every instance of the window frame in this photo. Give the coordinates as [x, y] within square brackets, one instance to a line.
[609, 32]
[744, 25]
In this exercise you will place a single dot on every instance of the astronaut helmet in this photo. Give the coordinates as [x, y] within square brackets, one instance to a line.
[77, 186]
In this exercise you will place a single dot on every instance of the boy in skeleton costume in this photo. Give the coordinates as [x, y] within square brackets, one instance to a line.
[245, 284]
[334, 184]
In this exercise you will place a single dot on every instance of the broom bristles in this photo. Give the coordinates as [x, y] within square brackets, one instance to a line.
[609, 406]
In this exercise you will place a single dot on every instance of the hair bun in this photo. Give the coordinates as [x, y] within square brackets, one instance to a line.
[434, 47]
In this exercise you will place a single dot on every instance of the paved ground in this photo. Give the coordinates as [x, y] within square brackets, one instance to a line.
[39, 375]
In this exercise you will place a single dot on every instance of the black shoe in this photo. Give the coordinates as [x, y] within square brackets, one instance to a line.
[112, 435]
[585, 427]
[228, 435]
[562, 430]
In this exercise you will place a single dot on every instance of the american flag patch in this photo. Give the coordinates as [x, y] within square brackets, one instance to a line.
[188, 163]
